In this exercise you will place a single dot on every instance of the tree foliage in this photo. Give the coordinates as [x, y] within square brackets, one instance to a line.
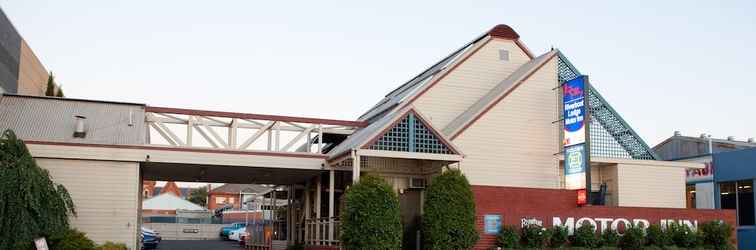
[31, 204]
[60, 92]
[50, 91]
[198, 196]
[70, 239]
[371, 217]
[449, 213]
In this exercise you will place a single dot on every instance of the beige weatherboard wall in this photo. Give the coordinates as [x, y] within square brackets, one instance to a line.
[470, 80]
[641, 183]
[512, 143]
[105, 195]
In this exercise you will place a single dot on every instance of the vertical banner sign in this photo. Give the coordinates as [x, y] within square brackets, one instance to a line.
[575, 133]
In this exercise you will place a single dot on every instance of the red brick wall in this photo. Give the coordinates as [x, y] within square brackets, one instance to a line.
[513, 204]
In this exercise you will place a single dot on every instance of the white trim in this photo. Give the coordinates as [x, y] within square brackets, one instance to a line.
[409, 155]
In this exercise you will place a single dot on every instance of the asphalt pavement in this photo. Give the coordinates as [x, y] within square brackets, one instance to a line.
[198, 245]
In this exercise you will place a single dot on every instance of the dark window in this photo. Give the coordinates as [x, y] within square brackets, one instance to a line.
[745, 203]
[738, 195]
[727, 195]
[691, 196]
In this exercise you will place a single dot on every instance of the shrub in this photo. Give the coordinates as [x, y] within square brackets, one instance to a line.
[70, 239]
[610, 238]
[632, 239]
[297, 246]
[655, 236]
[535, 236]
[716, 234]
[585, 236]
[559, 236]
[31, 204]
[508, 237]
[112, 246]
[449, 213]
[371, 218]
[682, 235]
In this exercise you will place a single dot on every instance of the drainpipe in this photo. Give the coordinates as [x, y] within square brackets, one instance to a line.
[711, 151]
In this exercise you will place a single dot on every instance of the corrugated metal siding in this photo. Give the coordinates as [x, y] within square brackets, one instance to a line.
[650, 186]
[469, 82]
[514, 143]
[106, 196]
[52, 119]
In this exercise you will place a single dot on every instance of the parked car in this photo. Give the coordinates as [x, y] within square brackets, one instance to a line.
[226, 231]
[238, 234]
[150, 238]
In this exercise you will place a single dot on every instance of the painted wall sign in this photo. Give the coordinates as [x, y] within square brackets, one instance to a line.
[601, 224]
[492, 223]
[40, 243]
[573, 100]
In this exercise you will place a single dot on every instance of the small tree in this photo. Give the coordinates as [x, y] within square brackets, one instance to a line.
[31, 204]
[371, 218]
[60, 92]
[198, 196]
[50, 85]
[449, 219]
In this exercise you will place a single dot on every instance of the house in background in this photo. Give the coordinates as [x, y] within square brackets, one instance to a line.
[150, 189]
[699, 191]
[231, 195]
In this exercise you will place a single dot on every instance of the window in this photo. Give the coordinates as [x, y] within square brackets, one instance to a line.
[504, 55]
[690, 196]
[220, 200]
[738, 195]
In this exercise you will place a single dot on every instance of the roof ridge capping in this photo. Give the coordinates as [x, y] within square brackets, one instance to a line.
[503, 31]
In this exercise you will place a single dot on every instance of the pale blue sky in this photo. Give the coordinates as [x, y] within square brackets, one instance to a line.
[664, 65]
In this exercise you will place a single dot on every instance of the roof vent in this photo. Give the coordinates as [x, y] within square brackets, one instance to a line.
[751, 140]
[703, 135]
[731, 138]
[79, 131]
[677, 133]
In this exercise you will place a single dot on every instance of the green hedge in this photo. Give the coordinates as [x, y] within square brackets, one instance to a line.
[371, 217]
[449, 213]
[714, 235]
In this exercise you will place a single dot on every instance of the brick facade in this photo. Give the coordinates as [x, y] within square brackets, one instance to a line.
[514, 204]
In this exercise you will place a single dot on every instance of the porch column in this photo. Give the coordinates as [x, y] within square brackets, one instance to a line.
[355, 166]
[289, 221]
[331, 186]
[307, 213]
[318, 220]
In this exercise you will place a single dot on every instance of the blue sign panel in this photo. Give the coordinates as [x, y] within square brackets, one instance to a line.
[492, 223]
[574, 111]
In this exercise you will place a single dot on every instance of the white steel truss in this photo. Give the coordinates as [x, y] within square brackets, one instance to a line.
[236, 131]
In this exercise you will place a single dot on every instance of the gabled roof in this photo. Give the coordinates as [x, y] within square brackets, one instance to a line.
[408, 91]
[365, 136]
[501, 90]
[169, 201]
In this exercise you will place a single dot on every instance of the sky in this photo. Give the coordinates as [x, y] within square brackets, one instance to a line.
[663, 65]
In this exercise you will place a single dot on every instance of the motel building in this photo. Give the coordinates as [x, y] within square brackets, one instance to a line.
[493, 108]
